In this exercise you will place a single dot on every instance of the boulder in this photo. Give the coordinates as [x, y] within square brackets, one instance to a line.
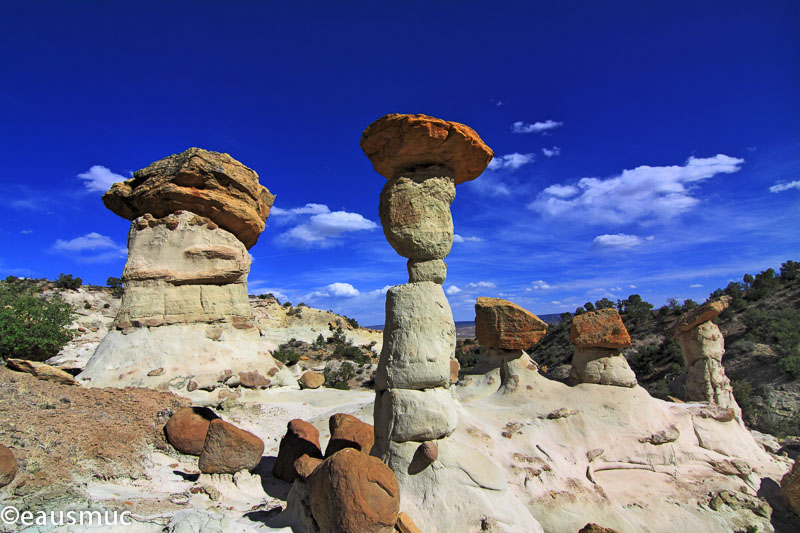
[698, 315]
[229, 449]
[301, 439]
[42, 371]
[186, 430]
[601, 366]
[418, 339]
[210, 184]
[353, 491]
[434, 270]
[790, 486]
[428, 451]
[311, 380]
[599, 329]
[348, 431]
[305, 466]
[8, 466]
[455, 367]
[253, 380]
[415, 214]
[396, 143]
[505, 325]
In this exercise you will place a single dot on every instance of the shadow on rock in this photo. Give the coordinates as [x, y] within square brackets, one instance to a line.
[273, 486]
[783, 518]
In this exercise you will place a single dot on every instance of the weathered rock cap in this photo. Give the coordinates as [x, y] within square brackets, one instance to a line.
[398, 143]
[206, 183]
[700, 314]
[599, 329]
[505, 325]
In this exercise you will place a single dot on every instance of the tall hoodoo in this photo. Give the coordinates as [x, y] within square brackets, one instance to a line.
[423, 159]
[185, 320]
[598, 337]
[703, 346]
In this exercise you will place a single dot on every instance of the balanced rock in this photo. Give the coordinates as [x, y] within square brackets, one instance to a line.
[348, 431]
[402, 415]
[186, 430]
[434, 270]
[210, 184]
[396, 143]
[601, 366]
[301, 439]
[8, 466]
[698, 315]
[505, 325]
[415, 213]
[229, 449]
[311, 380]
[599, 329]
[353, 491]
[790, 486]
[42, 371]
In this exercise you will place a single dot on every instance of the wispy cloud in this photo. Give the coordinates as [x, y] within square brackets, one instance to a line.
[695, 286]
[99, 178]
[335, 290]
[535, 127]
[323, 228]
[511, 161]
[90, 247]
[26, 231]
[780, 187]
[617, 240]
[481, 285]
[280, 215]
[452, 290]
[540, 285]
[639, 194]
[461, 238]
[551, 152]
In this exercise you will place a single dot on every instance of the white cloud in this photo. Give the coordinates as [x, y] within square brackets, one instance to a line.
[551, 152]
[639, 194]
[631, 286]
[540, 285]
[90, 241]
[489, 185]
[481, 285]
[695, 286]
[99, 178]
[452, 289]
[322, 229]
[562, 191]
[617, 240]
[511, 161]
[380, 292]
[335, 290]
[536, 127]
[461, 238]
[26, 231]
[780, 187]
[308, 209]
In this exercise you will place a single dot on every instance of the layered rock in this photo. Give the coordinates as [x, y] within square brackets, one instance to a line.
[415, 413]
[505, 325]
[598, 337]
[703, 347]
[185, 322]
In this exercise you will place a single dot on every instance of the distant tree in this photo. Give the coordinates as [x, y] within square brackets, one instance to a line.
[66, 281]
[604, 303]
[790, 270]
[116, 286]
[579, 311]
[748, 280]
[635, 311]
[589, 306]
[565, 317]
[763, 284]
[689, 304]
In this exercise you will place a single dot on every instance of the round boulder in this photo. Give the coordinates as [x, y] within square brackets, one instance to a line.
[8, 466]
[228, 449]
[186, 430]
[301, 439]
[311, 380]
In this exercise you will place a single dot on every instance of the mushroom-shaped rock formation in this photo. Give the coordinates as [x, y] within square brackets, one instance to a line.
[185, 307]
[703, 346]
[505, 325]
[598, 336]
[424, 158]
[399, 143]
[206, 183]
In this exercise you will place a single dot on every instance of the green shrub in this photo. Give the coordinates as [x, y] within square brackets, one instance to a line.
[116, 286]
[286, 355]
[338, 379]
[338, 336]
[352, 321]
[87, 305]
[320, 341]
[66, 281]
[106, 305]
[31, 327]
[350, 352]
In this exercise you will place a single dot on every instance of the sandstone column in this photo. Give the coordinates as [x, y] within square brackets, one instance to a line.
[598, 337]
[423, 159]
[703, 346]
[185, 321]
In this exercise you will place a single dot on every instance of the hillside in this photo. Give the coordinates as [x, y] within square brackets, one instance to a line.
[762, 341]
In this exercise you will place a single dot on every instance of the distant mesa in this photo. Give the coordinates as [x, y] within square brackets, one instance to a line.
[209, 184]
[398, 143]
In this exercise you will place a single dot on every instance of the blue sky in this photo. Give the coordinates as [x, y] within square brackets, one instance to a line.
[641, 147]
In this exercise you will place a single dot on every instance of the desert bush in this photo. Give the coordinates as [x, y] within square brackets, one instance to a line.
[116, 286]
[352, 321]
[338, 336]
[31, 327]
[350, 352]
[320, 341]
[286, 355]
[66, 281]
[337, 379]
